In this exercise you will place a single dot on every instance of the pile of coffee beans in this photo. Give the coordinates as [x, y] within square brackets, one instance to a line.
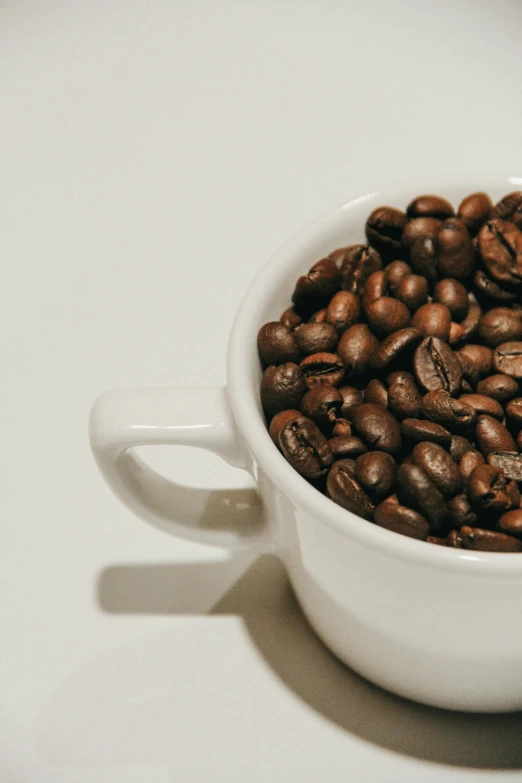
[392, 383]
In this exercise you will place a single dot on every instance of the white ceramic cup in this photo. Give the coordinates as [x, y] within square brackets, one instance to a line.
[440, 626]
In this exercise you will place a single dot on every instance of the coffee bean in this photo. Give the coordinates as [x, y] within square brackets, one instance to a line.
[436, 366]
[282, 387]
[453, 295]
[519, 441]
[345, 490]
[418, 492]
[507, 358]
[437, 464]
[488, 540]
[442, 408]
[436, 540]
[319, 317]
[482, 404]
[384, 229]
[344, 310]
[376, 286]
[455, 335]
[500, 325]
[474, 210]
[458, 447]
[461, 512]
[454, 540]
[376, 473]
[357, 264]
[469, 461]
[420, 430]
[394, 274]
[404, 399]
[290, 318]
[454, 249]
[514, 410]
[412, 291]
[305, 448]
[500, 247]
[276, 344]
[511, 523]
[341, 427]
[325, 368]
[316, 338]
[401, 519]
[500, 387]
[377, 428]
[491, 436]
[490, 289]
[430, 206]
[322, 404]
[510, 462]
[356, 348]
[395, 348]
[423, 258]
[387, 315]
[433, 320]
[489, 489]
[470, 323]
[344, 446]
[419, 228]
[319, 284]
[477, 359]
[279, 421]
[352, 398]
[510, 208]
[376, 393]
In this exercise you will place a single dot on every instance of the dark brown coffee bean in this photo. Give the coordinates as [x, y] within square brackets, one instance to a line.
[344, 446]
[279, 421]
[436, 366]
[519, 441]
[418, 492]
[344, 310]
[442, 408]
[419, 228]
[500, 325]
[376, 286]
[433, 320]
[423, 258]
[356, 348]
[344, 489]
[413, 291]
[376, 473]
[507, 358]
[325, 368]
[319, 317]
[430, 206]
[483, 405]
[322, 404]
[305, 448]
[474, 210]
[489, 489]
[387, 315]
[341, 427]
[453, 295]
[455, 335]
[384, 229]
[454, 540]
[454, 249]
[511, 523]
[282, 387]
[493, 436]
[404, 399]
[316, 338]
[500, 247]
[477, 359]
[437, 464]
[401, 519]
[321, 282]
[458, 447]
[395, 348]
[290, 318]
[357, 264]
[490, 289]
[436, 540]
[376, 393]
[394, 274]
[510, 462]
[488, 540]
[352, 398]
[514, 410]
[469, 462]
[276, 344]
[377, 428]
[466, 387]
[461, 512]
[500, 387]
[420, 430]
[470, 323]
[510, 208]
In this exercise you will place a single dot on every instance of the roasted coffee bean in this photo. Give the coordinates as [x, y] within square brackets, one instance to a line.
[395, 348]
[276, 344]
[519, 441]
[423, 258]
[279, 421]
[321, 282]
[466, 387]
[489, 489]
[433, 320]
[352, 398]
[377, 428]
[458, 447]
[491, 436]
[442, 408]
[341, 427]
[474, 210]
[344, 310]
[469, 462]
[290, 318]
[404, 399]
[514, 410]
[437, 464]
[461, 512]
[376, 393]
[344, 446]
[305, 447]
[356, 348]
[319, 317]
[510, 208]
[483, 405]
[412, 291]
[387, 315]
[500, 247]
[500, 325]
[376, 473]
[376, 286]
[454, 249]
[511, 523]
[507, 358]
[325, 368]
[471, 322]
[488, 540]
[436, 366]
[384, 230]
[419, 228]
[501, 387]
[345, 490]
[477, 359]
[322, 404]
[418, 492]
[394, 274]
[453, 295]
[421, 430]
[282, 387]
[490, 289]
[455, 335]
[510, 462]
[436, 540]
[454, 540]
[401, 519]
[316, 338]
[358, 262]
[429, 206]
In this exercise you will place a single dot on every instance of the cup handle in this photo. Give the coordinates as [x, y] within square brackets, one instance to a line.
[200, 417]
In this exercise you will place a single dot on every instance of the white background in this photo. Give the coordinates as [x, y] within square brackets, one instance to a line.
[152, 156]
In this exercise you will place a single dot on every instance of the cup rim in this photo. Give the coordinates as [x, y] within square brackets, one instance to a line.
[253, 429]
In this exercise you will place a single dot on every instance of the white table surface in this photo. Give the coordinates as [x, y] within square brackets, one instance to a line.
[153, 154]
